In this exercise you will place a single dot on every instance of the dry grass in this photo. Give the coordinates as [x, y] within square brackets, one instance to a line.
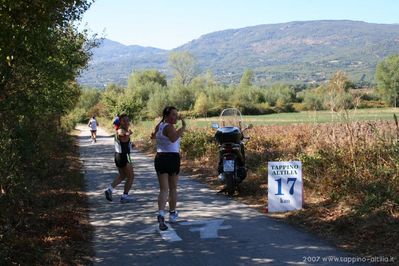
[350, 176]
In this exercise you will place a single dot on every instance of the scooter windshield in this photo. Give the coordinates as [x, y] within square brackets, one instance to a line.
[231, 117]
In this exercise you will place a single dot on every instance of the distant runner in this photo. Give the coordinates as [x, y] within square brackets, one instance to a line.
[116, 122]
[93, 124]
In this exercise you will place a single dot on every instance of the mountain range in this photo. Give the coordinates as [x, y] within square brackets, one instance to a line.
[294, 52]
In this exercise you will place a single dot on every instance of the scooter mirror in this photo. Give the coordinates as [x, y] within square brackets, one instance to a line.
[215, 125]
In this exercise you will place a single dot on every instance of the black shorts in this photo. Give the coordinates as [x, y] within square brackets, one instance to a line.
[122, 159]
[167, 163]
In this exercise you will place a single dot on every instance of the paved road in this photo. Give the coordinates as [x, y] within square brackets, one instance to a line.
[213, 229]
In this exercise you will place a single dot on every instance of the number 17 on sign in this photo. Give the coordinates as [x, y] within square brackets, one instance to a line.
[279, 185]
[285, 188]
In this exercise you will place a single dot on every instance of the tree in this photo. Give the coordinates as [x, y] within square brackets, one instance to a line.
[184, 67]
[242, 96]
[281, 93]
[41, 54]
[110, 98]
[202, 105]
[157, 102]
[337, 96]
[205, 81]
[246, 79]
[139, 78]
[209, 78]
[182, 97]
[131, 107]
[387, 76]
[89, 97]
[314, 98]
[218, 98]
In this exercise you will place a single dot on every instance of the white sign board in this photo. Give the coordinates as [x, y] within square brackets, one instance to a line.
[285, 186]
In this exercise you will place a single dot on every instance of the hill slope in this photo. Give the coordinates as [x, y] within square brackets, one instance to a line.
[308, 51]
[113, 62]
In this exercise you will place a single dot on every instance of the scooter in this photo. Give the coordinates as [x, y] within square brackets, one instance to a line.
[231, 140]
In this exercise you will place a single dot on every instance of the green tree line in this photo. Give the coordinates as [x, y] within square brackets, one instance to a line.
[199, 95]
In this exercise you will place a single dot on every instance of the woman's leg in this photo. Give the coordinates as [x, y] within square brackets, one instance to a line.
[172, 182]
[162, 199]
[163, 191]
[119, 178]
[128, 172]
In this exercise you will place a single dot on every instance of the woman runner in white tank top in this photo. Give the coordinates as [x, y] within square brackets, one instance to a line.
[93, 128]
[167, 163]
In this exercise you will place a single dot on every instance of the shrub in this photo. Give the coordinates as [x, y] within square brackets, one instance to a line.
[197, 142]
[69, 121]
[372, 104]
[298, 107]
[202, 106]
[358, 162]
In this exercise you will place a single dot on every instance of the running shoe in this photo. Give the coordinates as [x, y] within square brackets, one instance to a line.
[126, 199]
[108, 194]
[173, 216]
[162, 225]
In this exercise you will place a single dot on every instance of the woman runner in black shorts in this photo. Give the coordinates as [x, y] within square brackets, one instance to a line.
[167, 163]
[122, 161]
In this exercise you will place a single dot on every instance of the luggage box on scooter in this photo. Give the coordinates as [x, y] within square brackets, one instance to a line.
[228, 134]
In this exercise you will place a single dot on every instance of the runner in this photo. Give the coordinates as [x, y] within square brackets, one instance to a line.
[93, 124]
[116, 122]
[122, 161]
[167, 163]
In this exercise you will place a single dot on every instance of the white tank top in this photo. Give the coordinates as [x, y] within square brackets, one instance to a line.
[93, 124]
[163, 142]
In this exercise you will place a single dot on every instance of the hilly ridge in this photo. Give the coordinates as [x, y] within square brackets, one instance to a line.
[293, 52]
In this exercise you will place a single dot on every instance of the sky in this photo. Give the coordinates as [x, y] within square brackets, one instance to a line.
[168, 24]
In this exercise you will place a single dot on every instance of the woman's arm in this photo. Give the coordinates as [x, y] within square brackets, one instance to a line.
[123, 133]
[174, 134]
[153, 134]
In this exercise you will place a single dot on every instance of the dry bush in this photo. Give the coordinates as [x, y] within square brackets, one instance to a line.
[353, 161]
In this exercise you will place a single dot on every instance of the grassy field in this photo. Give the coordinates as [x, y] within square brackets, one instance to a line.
[374, 114]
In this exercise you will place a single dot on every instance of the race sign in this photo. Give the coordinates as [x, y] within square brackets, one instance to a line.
[285, 187]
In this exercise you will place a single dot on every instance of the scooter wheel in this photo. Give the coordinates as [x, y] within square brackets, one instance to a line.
[230, 184]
